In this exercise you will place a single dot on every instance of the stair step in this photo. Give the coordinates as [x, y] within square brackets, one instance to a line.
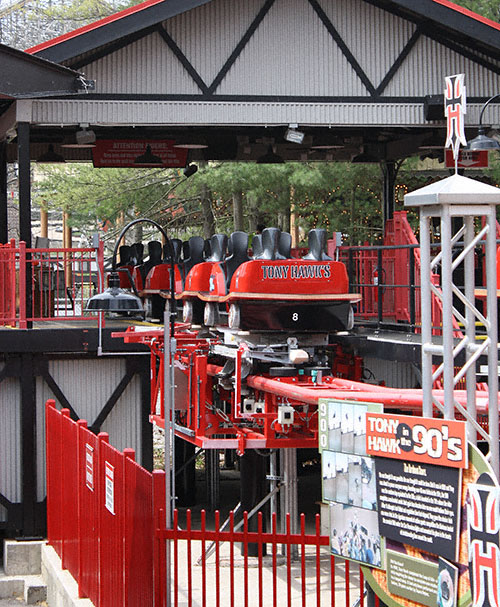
[30, 587]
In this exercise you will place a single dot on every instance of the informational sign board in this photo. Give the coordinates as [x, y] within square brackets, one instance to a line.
[348, 481]
[138, 153]
[467, 159]
[417, 439]
[418, 504]
[487, 555]
[412, 578]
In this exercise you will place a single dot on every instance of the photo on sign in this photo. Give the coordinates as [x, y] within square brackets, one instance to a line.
[342, 478]
[368, 483]
[347, 428]
[354, 534]
[354, 481]
[334, 431]
[359, 415]
[329, 476]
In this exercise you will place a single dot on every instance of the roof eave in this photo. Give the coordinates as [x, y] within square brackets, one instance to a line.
[111, 29]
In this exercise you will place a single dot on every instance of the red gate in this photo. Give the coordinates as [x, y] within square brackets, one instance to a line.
[105, 521]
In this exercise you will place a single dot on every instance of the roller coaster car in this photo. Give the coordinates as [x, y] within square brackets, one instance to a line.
[271, 292]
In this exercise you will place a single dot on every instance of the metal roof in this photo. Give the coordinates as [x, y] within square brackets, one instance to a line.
[441, 15]
[23, 75]
[362, 78]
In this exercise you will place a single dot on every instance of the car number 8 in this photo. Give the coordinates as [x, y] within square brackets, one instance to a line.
[295, 316]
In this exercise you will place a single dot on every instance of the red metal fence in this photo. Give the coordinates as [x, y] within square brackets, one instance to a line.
[105, 521]
[47, 284]
[388, 278]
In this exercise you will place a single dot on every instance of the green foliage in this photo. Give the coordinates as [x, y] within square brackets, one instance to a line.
[94, 197]
[336, 196]
[486, 8]
[79, 12]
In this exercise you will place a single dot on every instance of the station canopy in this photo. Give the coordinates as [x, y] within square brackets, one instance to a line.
[257, 80]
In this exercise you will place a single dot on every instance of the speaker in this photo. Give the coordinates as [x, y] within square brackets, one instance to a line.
[434, 107]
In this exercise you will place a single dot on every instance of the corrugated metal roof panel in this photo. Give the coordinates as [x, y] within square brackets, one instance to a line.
[145, 67]
[292, 53]
[375, 37]
[225, 113]
[423, 72]
[209, 34]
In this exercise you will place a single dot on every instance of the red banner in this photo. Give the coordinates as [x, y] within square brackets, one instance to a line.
[138, 153]
[467, 159]
[419, 439]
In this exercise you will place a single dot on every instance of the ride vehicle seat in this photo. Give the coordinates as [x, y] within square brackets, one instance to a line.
[142, 270]
[270, 244]
[238, 247]
[257, 246]
[126, 263]
[317, 245]
[285, 246]
[193, 250]
[218, 247]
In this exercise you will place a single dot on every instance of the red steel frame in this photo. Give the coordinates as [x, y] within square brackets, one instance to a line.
[201, 421]
[112, 537]
[59, 281]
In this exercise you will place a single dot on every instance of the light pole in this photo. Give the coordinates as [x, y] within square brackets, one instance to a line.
[116, 299]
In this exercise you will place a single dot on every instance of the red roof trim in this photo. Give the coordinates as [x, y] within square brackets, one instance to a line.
[144, 5]
[92, 26]
[468, 13]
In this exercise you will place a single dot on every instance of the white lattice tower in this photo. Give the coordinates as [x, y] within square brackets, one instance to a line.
[474, 204]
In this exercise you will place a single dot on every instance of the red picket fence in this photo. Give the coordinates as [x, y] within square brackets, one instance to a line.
[100, 517]
[105, 519]
[58, 282]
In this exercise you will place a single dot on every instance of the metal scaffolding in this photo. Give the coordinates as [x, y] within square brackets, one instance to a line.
[461, 204]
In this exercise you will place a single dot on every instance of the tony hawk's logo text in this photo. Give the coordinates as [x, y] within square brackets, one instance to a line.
[296, 271]
[484, 552]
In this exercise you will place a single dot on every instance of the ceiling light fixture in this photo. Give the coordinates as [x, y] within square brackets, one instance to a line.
[482, 141]
[293, 135]
[191, 146]
[270, 157]
[148, 159]
[50, 156]
[84, 138]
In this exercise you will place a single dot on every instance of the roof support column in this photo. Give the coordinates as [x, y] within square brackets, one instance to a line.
[389, 172]
[4, 225]
[23, 159]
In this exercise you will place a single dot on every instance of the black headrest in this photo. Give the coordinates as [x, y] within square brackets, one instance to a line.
[154, 250]
[176, 248]
[125, 253]
[193, 253]
[185, 249]
[238, 245]
[285, 245]
[137, 252]
[270, 242]
[317, 245]
[207, 249]
[196, 246]
[257, 245]
[218, 244]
